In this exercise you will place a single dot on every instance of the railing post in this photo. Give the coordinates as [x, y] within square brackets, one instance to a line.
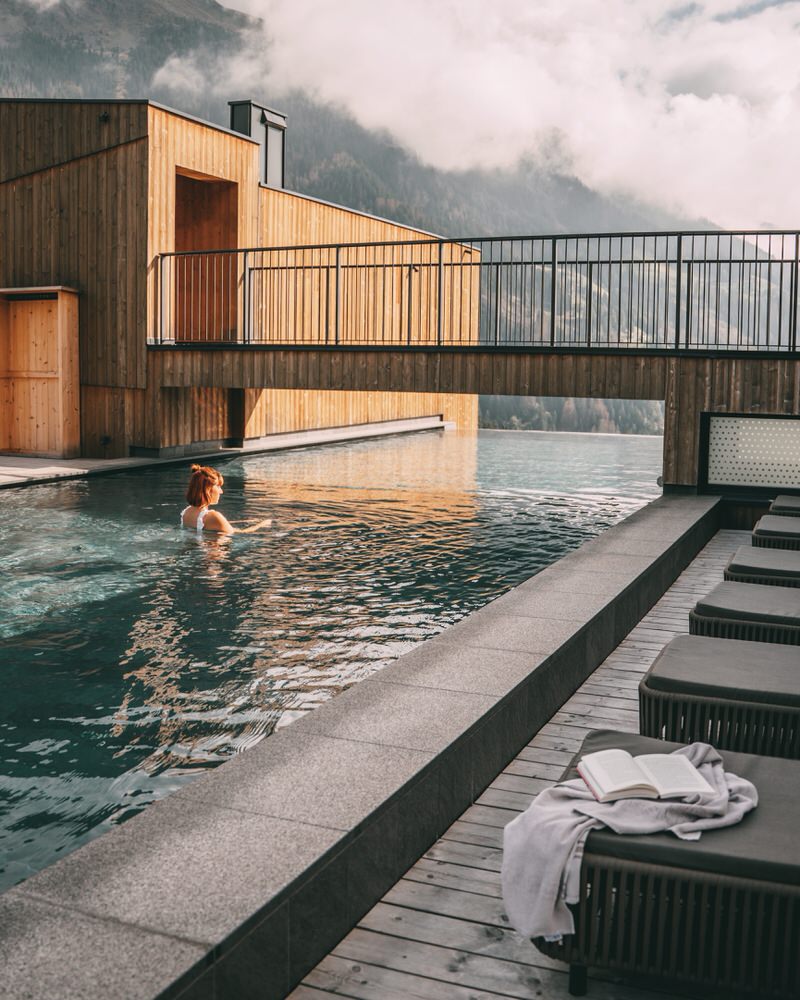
[793, 297]
[327, 304]
[497, 304]
[246, 331]
[678, 286]
[589, 307]
[337, 296]
[162, 312]
[553, 262]
[409, 304]
[439, 299]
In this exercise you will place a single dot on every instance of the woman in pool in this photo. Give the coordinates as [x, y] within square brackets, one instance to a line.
[204, 491]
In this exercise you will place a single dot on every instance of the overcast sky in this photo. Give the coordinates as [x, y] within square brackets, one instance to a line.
[692, 106]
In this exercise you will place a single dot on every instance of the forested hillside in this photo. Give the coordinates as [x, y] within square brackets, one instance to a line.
[605, 416]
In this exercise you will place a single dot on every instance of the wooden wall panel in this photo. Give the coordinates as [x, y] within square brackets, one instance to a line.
[41, 134]
[289, 219]
[278, 411]
[204, 287]
[112, 419]
[207, 154]
[190, 415]
[83, 224]
[729, 385]
[38, 376]
[488, 372]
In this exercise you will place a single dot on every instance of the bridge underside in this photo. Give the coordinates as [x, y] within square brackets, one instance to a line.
[689, 384]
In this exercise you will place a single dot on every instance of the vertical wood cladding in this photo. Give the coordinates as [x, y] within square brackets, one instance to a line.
[83, 223]
[42, 134]
[720, 385]
[39, 389]
[202, 188]
[277, 411]
[288, 219]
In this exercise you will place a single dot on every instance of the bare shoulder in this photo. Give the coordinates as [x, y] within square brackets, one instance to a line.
[214, 521]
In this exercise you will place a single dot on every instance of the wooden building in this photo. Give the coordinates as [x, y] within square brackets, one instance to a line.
[91, 192]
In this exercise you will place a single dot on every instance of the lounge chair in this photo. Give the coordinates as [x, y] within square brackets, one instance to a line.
[777, 532]
[721, 912]
[734, 694]
[749, 611]
[776, 567]
[785, 504]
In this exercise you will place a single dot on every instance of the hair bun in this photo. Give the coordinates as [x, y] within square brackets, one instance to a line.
[196, 468]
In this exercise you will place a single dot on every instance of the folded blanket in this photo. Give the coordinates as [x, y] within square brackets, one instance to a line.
[543, 847]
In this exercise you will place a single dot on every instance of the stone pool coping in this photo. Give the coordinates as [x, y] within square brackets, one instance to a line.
[240, 882]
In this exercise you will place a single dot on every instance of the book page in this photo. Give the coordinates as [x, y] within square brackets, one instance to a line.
[614, 769]
[673, 774]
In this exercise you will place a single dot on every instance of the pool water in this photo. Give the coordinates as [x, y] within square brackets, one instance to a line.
[135, 654]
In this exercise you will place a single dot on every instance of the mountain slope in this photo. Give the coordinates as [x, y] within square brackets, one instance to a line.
[102, 48]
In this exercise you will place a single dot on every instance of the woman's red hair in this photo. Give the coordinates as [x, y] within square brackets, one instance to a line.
[198, 493]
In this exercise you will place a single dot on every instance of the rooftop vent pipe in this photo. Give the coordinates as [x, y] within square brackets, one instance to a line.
[269, 128]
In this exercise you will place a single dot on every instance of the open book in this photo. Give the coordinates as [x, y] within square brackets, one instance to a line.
[615, 774]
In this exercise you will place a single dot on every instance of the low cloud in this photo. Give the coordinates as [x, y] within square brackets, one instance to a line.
[694, 107]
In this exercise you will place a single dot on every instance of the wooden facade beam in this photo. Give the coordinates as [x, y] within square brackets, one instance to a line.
[688, 385]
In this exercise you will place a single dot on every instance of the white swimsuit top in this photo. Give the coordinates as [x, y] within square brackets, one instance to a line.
[200, 518]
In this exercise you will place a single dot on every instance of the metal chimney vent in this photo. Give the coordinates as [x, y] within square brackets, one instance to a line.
[269, 127]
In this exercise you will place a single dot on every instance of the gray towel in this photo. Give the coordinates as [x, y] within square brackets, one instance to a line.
[543, 847]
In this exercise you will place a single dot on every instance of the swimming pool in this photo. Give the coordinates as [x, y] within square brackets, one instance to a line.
[134, 654]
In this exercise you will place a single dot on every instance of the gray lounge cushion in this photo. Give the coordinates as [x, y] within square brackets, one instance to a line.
[785, 504]
[755, 602]
[775, 526]
[740, 670]
[753, 561]
[763, 846]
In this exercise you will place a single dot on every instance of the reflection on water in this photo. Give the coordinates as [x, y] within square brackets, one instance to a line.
[134, 654]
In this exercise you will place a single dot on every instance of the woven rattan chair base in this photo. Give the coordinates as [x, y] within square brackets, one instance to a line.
[769, 581]
[732, 935]
[776, 541]
[735, 628]
[746, 727]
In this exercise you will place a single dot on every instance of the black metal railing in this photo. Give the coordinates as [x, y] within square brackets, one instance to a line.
[701, 291]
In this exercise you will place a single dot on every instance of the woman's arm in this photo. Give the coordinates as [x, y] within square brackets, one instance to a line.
[218, 522]
[254, 527]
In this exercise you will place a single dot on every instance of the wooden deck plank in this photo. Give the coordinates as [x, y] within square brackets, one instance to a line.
[440, 933]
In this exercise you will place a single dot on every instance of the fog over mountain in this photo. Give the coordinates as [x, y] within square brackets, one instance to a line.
[195, 55]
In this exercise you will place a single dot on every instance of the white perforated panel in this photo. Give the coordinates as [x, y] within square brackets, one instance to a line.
[753, 451]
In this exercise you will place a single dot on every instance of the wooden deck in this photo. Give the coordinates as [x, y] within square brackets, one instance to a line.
[440, 933]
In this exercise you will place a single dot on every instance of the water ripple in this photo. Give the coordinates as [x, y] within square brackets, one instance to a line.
[135, 655]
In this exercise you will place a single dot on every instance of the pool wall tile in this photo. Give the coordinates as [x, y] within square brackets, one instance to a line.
[371, 859]
[203, 988]
[318, 916]
[258, 964]
[258, 869]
